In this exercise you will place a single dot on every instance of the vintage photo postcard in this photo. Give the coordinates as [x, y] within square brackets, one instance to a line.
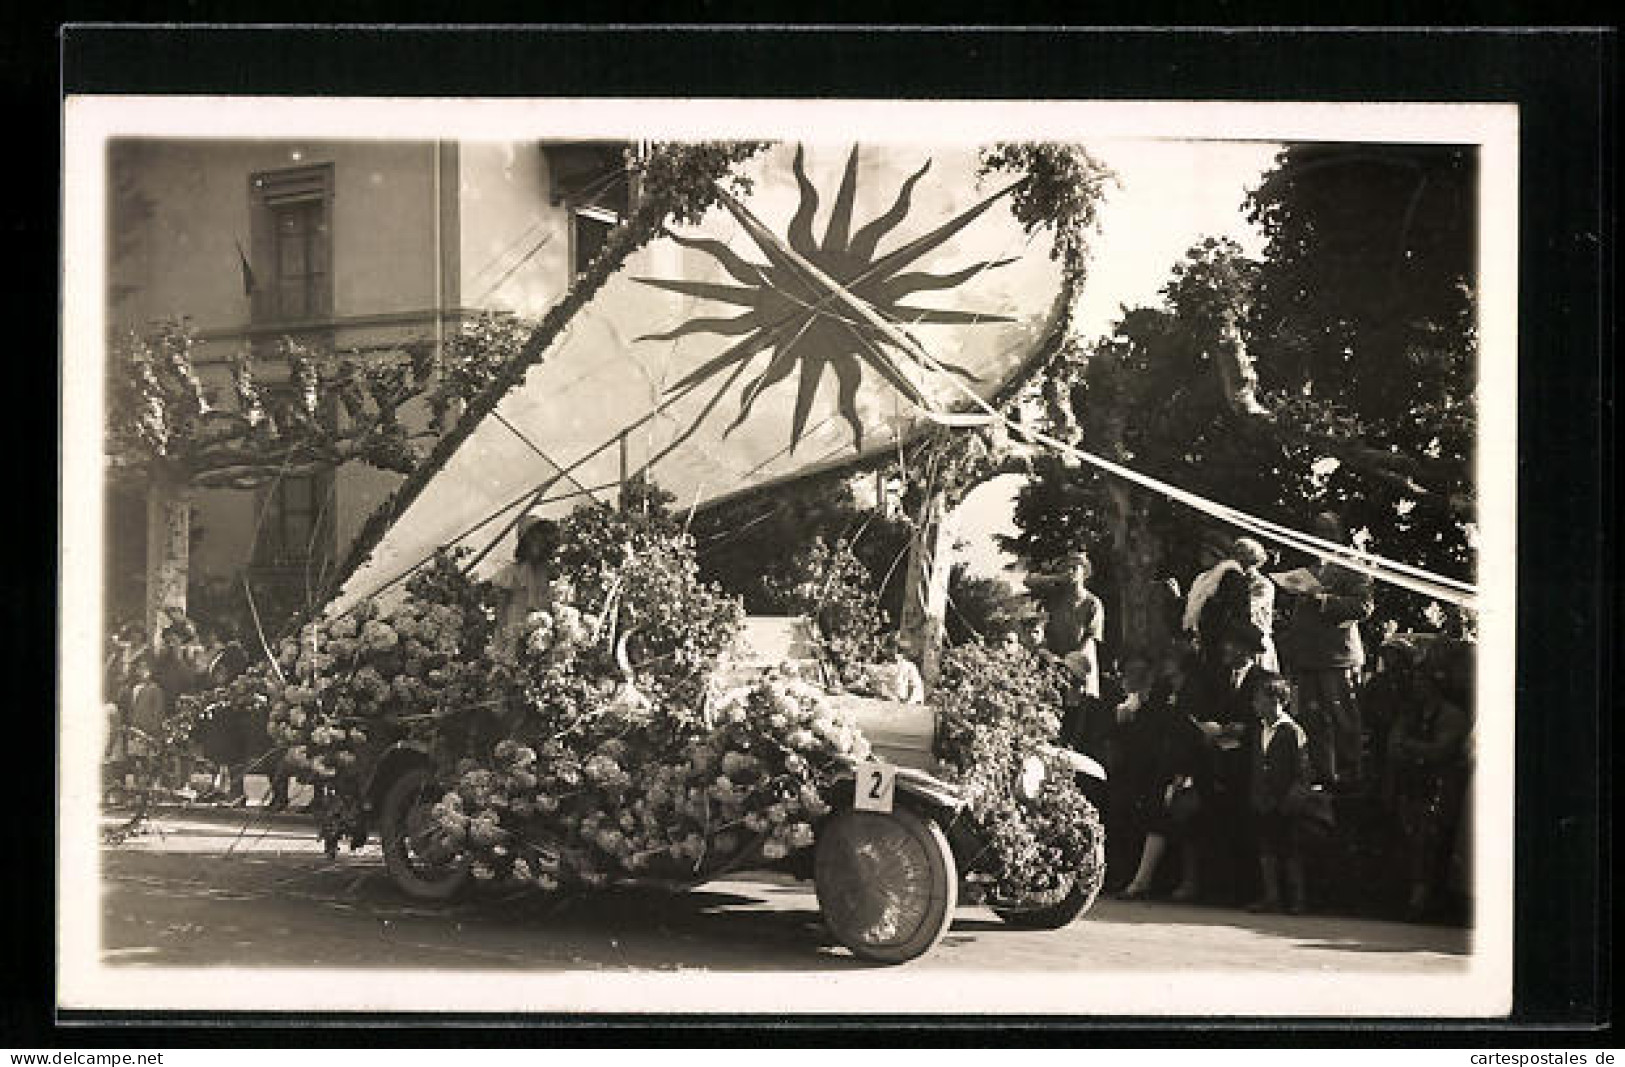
[741, 556]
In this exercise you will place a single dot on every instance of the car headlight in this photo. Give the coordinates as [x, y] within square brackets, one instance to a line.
[1030, 782]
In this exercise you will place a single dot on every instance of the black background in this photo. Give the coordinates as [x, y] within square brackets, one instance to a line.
[1565, 82]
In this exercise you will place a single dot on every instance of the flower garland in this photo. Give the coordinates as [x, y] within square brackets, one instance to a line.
[998, 706]
[610, 797]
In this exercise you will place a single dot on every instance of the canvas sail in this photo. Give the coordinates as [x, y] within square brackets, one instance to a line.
[781, 336]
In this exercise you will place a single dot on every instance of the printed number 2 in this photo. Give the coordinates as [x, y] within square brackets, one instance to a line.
[876, 784]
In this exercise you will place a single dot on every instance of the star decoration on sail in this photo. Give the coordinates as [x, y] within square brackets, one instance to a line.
[823, 304]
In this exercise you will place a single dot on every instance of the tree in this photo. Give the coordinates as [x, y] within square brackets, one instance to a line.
[172, 434]
[750, 546]
[1364, 321]
[1158, 395]
[1336, 372]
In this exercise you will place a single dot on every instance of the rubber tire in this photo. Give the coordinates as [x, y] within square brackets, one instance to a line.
[847, 893]
[1064, 912]
[402, 794]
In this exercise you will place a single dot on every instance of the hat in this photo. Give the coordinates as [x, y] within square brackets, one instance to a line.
[1329, 526]
[527, 520]
[1249, 552]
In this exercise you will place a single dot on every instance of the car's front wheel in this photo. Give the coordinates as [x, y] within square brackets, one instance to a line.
[887, 883]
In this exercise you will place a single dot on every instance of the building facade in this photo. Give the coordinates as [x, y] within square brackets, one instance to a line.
[361, 246]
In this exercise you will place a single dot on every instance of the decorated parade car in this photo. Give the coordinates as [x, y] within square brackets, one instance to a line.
[852, 795]
[640, 730]
[596, 714]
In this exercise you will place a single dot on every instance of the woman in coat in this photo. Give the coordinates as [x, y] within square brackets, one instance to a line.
[1162, 756]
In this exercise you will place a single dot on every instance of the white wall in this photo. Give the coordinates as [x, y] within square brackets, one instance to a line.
[179, 257]
[505, 218]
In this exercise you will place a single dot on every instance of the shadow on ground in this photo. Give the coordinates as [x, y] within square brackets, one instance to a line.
[167, 910]
[1365, 935]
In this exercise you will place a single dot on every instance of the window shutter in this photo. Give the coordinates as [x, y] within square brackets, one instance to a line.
[262, 245]
[320, 266]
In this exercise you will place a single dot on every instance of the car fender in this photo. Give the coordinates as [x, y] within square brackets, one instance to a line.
[924, 791]
[1076, 762]
[931, 790]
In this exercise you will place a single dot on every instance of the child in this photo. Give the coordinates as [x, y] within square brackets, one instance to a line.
[897, 679]
[1279, 752]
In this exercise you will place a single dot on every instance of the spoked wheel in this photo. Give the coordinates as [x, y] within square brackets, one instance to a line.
[1061, 905]
[886, 883]
[422, 862]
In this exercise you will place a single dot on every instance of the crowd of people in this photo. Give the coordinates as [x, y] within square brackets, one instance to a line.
[152, 744]
[1262, 737]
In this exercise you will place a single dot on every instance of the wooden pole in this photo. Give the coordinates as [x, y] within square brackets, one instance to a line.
[626, 467]
[925, 594]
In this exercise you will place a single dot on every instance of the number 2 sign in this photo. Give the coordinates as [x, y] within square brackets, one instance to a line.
[876, 784]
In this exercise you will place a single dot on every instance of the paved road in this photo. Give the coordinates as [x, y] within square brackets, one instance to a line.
[202, 891]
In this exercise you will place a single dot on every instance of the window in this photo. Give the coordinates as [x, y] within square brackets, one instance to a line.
[296, 524]
[292, 277]
[300, 229]
[589, 229]
[592, 179]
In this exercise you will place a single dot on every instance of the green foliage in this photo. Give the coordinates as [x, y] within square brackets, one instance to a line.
[589, 798]
[342, 406]
[679, 181]
[597, 540]
[685, 178]
[1062, 190]
[1369, 266]
[564, 771]
[998, 707]
[154, 398]
[750, 546]
[1365, 283]
[1368, 281]
[1058, 510]
[474, 354]
[636, 567]
[827, 583]
[445, 580]
[436, 666]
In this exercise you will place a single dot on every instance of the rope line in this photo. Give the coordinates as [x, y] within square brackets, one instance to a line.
[1393, 572]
